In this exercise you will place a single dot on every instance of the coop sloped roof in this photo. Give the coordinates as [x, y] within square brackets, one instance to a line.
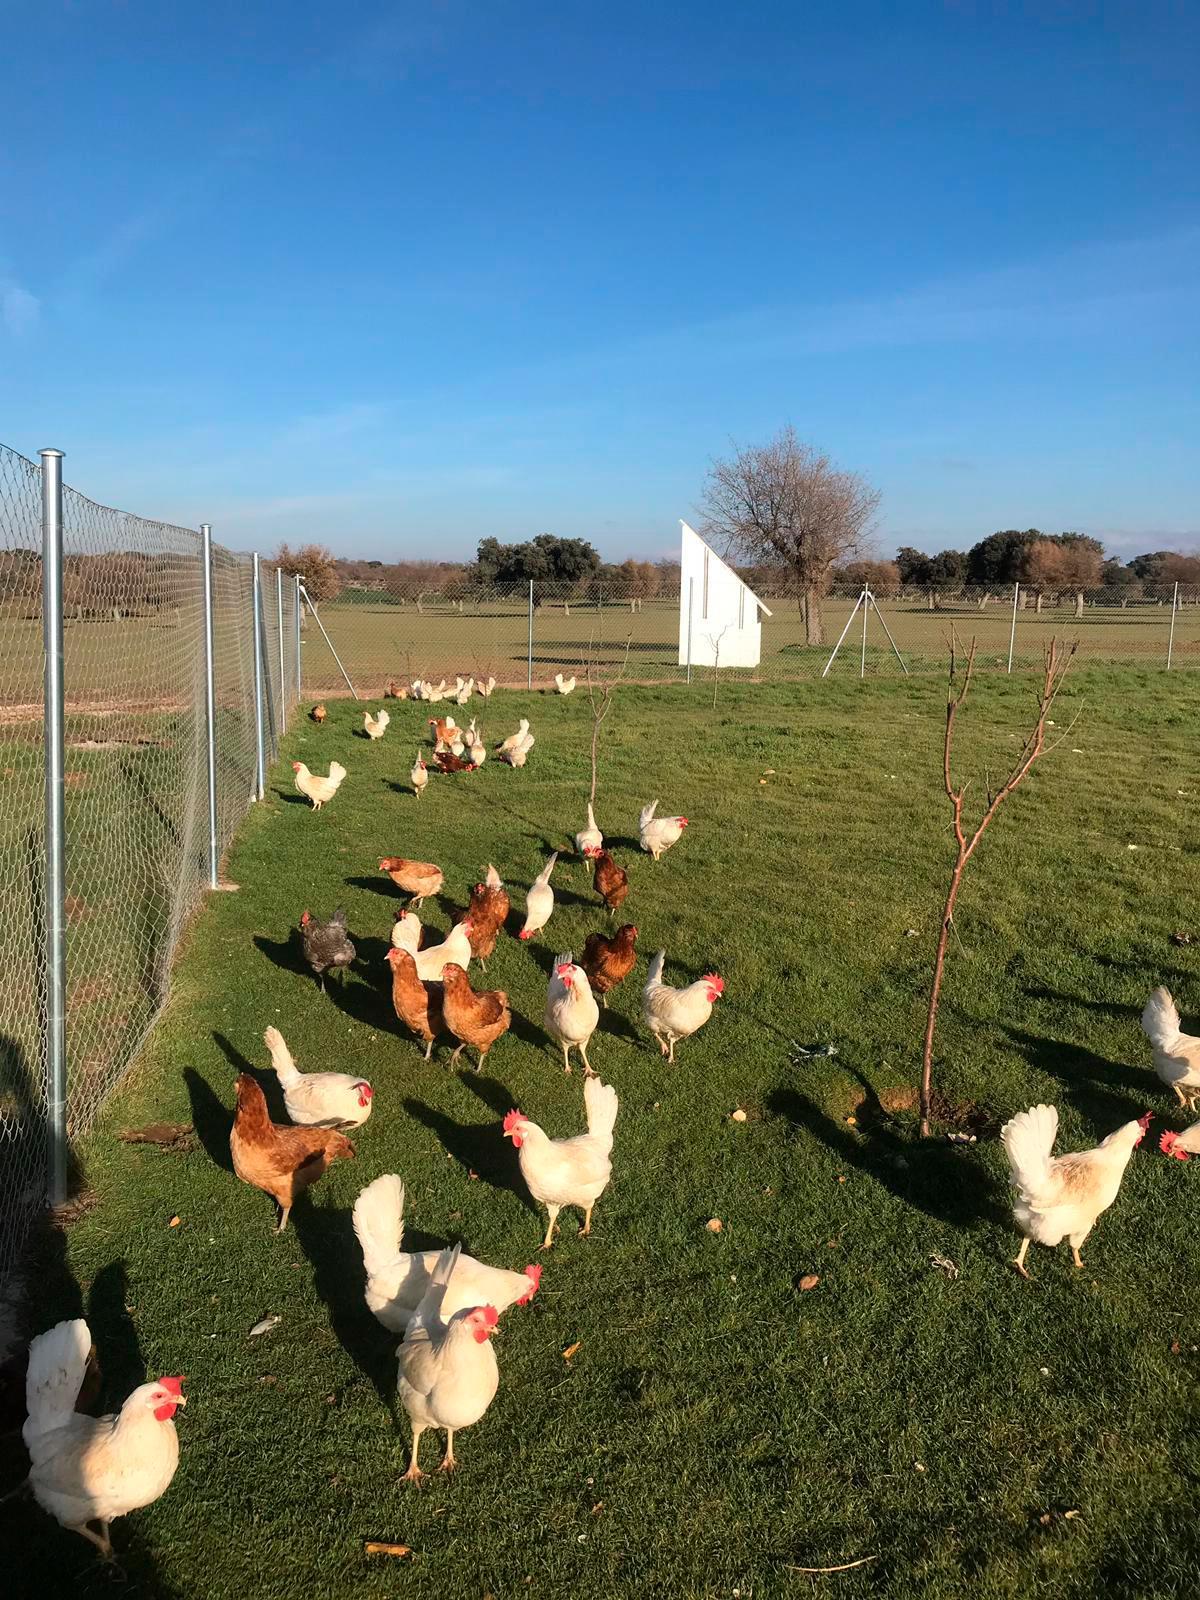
[687, 528]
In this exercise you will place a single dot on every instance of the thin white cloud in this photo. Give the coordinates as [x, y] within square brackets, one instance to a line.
[19, 310]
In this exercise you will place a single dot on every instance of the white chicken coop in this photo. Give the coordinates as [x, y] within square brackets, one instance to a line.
[719, 622]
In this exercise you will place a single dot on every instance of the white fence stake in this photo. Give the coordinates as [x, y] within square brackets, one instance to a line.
[843, 633]
[260, 756]
[1012, 632]
[865, 602]
[1171, 635]
[210, 701]
[888, 631]
[296, 630]
[282, 678]
[529, 674]
[56, 856]
[312, 611]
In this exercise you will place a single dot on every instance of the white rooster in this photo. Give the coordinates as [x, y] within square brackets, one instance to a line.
[572, 1015]
[674, 1014]
[376, 726]
[485, 688]
[94, 1469]
[465, 691]
[589, 841]
[406, 932]
[514, 739]
[568, 1172]
[539, 902]
[398, 1279]
[564, 685]
[517, 756]
[316, 788]
[318, 1099]
[1176, 1054]
[448, 1373]
[1060, 1197]
[456, 947]
[658, 834]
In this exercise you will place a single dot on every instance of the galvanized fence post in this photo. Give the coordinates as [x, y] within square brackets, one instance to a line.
[1012, 632]
[1171, 635]
[296, 630]
[56, 857]
[862, 660]
[282, 677]
[210, 701]
[260, 757]
[529, 674]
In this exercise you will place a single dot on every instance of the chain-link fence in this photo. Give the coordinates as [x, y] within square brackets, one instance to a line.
[386, 635]
[135, 791]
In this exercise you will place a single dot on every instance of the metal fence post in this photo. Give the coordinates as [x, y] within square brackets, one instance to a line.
[1012, 632]
[529, 675]
[282, 678]
[296, 628]
[260, 758]
[1171, 635]
[862, 660]
[691, 600]
[56, 858]
[210, 701]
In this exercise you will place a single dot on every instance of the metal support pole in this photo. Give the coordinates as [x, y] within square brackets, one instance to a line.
[1012, 632]
[866, 606]
[1171, 635]
[56, 855]
[296, 630]
[282, 678]
[529, 674]
[691, 600]
[888, 631]
[210, 701]
[843, 633]
[260, 754]
[312, 611]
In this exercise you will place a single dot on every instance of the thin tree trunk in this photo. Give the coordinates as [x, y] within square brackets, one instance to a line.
[814, 622]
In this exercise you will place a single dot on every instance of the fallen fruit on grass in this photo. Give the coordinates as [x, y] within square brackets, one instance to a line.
[174, 1222]
[737, 1116]
[714, 1224]
[810, 1280]
[572, 1349]
[378, 1547]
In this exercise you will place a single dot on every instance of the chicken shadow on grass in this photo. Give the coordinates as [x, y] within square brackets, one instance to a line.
[211, 1117]
[325, 1233]
[612, 1021]
[1107, 1092]
[366, 999]
[479, 1147]
[935, 1177]
[380, 884]
[286, 953]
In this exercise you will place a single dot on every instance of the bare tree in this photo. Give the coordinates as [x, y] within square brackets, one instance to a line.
[600, 695]
[784, 504]
[715, 641]
[1056, 663]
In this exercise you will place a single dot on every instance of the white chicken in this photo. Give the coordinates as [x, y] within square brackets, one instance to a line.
[568, 1172]
[1060, 1197]
[485, 689]
[315, 788]
[572, 1015]
[514, 739]
[318, 1099]
[589, 841]
[1181, 1145]
[674, 1014]
[539, 902]
[465, 691]
[419, 776]
[376, 726]
[456, 947]
[94, 1469]
[516, 757]
[476, 749]
[564, 685]
[398, 1279]
[658, 834]
[406, 932]
[1176, 1054]
[456, 744]
[448, 1373]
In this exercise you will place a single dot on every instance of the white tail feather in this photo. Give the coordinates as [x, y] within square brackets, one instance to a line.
[1028, 1140]
[281, 1058]
[57, 1364]
[1160, 1019]
[600, 1103]
[379, 1223]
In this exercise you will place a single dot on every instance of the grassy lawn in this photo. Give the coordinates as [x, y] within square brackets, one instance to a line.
[716, 1427]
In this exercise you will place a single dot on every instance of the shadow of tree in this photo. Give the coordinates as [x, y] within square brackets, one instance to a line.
[935, 1177]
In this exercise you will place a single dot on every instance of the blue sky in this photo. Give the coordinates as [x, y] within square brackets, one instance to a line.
[398, 277]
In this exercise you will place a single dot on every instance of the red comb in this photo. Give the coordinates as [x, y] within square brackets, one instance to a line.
[717, 982]
[490, 1315]
[534, 1273]
[171, 1385]
[512, 1120]
[1167, 1145]
[1144, 1122]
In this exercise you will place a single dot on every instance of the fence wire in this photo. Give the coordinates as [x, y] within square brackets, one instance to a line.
[391, 637]
[136, 803]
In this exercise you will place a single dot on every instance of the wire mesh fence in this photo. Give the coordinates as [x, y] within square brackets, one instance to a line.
[387, 636]
[135, 794]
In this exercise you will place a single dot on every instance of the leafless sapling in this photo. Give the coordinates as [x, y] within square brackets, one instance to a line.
[600, 695]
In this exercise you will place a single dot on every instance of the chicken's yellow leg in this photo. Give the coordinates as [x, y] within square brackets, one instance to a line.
[1019, 1263]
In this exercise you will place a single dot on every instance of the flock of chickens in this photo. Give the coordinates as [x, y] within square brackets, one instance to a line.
[445, 1304]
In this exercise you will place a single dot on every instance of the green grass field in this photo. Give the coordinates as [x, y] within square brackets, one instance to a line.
[716, 1428]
